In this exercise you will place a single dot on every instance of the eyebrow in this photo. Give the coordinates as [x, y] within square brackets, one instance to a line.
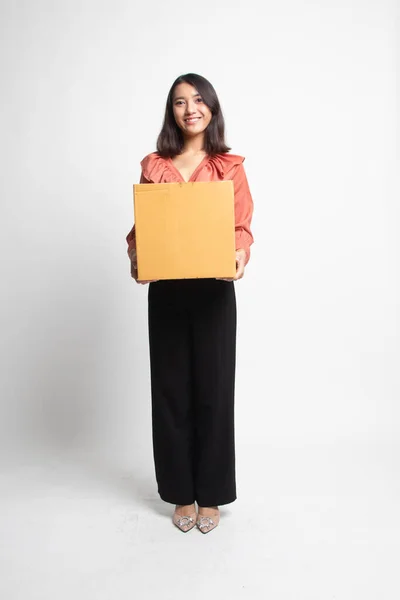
[182, 97]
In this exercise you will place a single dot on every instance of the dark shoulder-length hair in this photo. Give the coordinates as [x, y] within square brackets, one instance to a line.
[170, 139]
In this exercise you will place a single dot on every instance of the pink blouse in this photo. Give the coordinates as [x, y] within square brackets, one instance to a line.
[222, 167]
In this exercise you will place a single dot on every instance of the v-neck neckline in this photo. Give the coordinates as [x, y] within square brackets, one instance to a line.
[205, 158]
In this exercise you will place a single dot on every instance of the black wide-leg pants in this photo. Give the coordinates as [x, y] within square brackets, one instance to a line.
[192, 335]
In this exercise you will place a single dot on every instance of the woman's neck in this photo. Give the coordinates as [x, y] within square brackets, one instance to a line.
[193, 145]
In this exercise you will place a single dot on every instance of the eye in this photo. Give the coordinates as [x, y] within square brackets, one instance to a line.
[178, 102]
[199, 99]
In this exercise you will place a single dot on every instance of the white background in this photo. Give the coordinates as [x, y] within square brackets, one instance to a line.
[308, 91]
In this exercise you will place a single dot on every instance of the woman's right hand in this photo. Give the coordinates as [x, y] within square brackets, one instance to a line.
[134, 271]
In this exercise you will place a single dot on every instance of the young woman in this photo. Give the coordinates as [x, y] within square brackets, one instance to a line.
[192, 322]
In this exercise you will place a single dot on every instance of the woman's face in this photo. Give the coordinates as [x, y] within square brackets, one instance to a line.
[191, 114]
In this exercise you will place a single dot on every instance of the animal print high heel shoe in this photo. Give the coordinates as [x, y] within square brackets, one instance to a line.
[184, 522]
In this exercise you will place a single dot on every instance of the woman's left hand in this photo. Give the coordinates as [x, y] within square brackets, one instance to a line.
[240, 259]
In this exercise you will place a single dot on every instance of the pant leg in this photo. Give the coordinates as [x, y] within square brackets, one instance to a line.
[214, 353]
[172, 410]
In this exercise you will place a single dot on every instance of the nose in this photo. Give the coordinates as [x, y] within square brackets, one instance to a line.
[190, 108]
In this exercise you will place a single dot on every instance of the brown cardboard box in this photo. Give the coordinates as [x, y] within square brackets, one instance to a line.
[185, 230]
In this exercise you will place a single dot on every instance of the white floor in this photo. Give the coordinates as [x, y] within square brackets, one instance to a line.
[310, 523]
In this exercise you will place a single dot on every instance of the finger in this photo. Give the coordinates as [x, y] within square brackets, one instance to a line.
[240, 273]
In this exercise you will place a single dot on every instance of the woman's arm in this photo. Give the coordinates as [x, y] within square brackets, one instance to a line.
[131, 237]
[243, 212]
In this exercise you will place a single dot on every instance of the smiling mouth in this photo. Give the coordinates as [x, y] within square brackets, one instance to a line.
[192, 120]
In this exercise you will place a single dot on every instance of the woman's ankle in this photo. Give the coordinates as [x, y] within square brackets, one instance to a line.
[208, 509]
[185, 509]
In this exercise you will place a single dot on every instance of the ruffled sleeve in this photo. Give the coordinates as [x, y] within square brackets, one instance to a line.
[231, 167]
[131, 237]
[243, 211]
